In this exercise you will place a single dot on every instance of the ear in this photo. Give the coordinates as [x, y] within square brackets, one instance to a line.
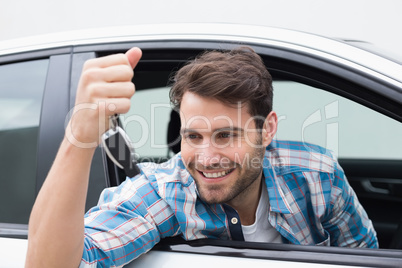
[269, 128]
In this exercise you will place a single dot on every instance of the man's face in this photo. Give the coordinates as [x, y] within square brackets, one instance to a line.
[221, 148]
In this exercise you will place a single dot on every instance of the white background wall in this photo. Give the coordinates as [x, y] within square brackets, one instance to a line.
[377, 21]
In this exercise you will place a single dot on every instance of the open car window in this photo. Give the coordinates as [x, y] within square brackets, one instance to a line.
[305, 113]
[363, 140]
[324, 108]
[349, 129]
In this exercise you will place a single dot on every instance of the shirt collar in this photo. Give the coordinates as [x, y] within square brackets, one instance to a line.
[276, 196]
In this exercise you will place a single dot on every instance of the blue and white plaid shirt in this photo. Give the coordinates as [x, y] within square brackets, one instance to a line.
[311, 203]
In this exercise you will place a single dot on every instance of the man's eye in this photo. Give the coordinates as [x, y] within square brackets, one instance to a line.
[225, 135]
[191, 136]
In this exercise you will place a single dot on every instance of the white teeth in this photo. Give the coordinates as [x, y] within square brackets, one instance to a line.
[215, 174]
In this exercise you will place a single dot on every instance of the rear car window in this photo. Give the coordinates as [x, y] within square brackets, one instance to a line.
[21, 90]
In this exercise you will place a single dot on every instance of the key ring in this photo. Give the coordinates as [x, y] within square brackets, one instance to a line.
[113, 123]
[118, 147]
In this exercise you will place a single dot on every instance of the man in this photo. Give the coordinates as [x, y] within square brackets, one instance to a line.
[230, 181]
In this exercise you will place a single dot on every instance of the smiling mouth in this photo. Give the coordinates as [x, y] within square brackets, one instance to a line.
[215, 175]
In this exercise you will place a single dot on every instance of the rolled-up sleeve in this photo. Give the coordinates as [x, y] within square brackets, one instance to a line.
[128, 221]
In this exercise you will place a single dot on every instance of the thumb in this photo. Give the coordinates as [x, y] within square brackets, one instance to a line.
[134, 55]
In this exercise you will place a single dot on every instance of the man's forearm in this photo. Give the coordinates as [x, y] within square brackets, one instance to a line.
[56, 227]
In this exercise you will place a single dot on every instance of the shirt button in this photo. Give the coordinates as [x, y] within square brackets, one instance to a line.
[234, 220]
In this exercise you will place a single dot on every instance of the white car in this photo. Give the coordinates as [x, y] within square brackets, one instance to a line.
[343, 95]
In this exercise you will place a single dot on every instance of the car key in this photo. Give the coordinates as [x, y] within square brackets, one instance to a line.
[118, 147]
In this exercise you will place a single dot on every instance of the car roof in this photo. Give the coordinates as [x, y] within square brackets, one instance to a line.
[319, 46]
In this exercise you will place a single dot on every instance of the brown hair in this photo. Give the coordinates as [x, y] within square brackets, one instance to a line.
[231, 77]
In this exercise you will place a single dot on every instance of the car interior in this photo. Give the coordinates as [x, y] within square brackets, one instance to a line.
[377, 181]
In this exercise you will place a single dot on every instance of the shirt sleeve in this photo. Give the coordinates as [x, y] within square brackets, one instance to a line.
[127, 222]
[348, 223]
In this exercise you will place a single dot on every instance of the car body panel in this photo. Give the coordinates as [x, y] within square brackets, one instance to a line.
[13, 252]
[292, 40]
[182, 260]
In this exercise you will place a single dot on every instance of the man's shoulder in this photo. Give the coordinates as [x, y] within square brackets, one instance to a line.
[291, 156]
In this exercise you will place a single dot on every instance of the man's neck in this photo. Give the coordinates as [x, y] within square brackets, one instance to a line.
[247, 202]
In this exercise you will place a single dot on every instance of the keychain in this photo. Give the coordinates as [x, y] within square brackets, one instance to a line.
[118, 147]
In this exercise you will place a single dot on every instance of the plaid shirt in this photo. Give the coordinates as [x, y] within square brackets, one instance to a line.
[311, 203]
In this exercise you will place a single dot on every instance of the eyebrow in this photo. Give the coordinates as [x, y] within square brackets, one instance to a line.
[190, 130]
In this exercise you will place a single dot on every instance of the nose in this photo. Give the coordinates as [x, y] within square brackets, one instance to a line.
[208, 155]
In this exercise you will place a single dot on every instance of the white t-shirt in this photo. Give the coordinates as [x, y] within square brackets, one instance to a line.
[261, 230]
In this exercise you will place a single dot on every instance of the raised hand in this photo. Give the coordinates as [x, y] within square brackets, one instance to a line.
[104, 89]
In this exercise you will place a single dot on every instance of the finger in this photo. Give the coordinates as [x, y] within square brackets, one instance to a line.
[134, 55]
[116, 73]
[106, 61]
[112, 90]
[117, 106]
[119, 73]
